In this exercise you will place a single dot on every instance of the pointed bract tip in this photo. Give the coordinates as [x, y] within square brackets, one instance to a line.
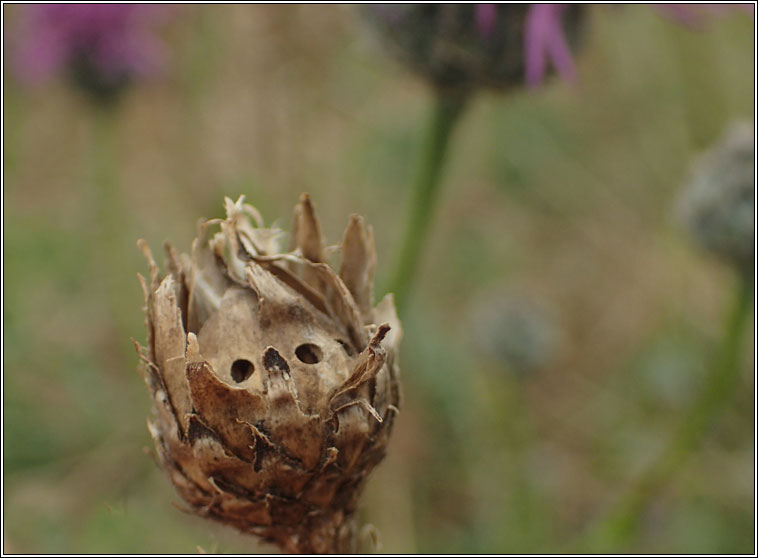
[380, 334]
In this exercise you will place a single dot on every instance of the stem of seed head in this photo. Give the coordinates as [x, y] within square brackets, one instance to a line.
[445, 114]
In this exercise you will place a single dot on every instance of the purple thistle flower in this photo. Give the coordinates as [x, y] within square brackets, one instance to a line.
[544, 41]
[103, 46]
[465, 47]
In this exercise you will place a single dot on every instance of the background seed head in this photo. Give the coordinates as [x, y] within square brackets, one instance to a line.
[717, 204]
[514, 330]
[273, 378]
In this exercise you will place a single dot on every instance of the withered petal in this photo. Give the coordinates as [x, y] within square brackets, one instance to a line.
[358, 263]
[165, 317]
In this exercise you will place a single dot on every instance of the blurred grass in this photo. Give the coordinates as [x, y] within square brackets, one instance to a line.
[565, 192]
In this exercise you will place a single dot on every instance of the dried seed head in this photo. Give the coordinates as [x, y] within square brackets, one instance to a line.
[274, 379]
[718, 202]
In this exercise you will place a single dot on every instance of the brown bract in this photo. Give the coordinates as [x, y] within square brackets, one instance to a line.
[274, 379]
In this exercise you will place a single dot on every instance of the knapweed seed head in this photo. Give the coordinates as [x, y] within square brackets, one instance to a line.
[717, 204]
[274, 378]
[101, 47]
[462, 47]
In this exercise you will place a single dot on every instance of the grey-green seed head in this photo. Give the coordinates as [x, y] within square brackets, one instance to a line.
[718, 202]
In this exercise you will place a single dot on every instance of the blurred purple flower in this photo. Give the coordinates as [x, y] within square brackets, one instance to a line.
[544, 41]
[115, 42]
[486, 16]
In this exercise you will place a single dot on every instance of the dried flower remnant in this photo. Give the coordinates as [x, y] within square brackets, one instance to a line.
[466, 46]
[274, 379]
[101, 47]
[718, 203]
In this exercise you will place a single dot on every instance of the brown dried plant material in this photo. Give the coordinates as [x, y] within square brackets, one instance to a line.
[274, 379]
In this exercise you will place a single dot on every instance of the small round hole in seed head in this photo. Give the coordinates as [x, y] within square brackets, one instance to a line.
[348, 349]
[308, 353]
[241, 370]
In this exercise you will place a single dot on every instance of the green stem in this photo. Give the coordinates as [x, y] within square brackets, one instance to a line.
[447, 109]
[109, 243]
[103, 171]
[621, 524]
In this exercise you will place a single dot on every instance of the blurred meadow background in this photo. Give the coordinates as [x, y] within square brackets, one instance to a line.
[562, 197]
